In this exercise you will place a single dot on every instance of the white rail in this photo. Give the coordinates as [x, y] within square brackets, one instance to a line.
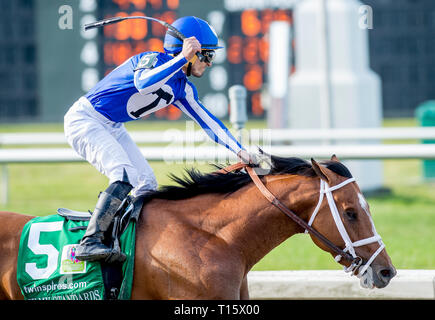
[220, 154]
[274, 135]
[405, 133]
[335, 284]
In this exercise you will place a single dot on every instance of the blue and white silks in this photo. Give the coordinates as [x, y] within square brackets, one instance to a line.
[142, 85]
[126, 95]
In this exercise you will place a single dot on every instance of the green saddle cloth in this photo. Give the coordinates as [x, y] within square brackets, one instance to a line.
[48, 270]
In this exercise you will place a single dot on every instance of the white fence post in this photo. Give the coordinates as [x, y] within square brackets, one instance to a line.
[5, 185]
[238, 116]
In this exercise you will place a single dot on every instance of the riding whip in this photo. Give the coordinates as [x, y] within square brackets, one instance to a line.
[173, 31]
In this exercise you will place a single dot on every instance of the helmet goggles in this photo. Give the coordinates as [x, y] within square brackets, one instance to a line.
[209, 55]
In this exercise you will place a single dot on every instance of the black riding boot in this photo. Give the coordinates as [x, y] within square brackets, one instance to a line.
[91, 247]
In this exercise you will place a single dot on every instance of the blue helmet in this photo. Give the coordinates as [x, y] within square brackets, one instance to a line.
[191, 27]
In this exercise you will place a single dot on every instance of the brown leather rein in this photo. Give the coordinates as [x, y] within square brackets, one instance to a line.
[272, 199]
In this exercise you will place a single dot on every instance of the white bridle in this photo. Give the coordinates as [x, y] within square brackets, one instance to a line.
[350, 246]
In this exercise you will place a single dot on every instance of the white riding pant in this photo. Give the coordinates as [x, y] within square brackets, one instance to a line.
[107, 146]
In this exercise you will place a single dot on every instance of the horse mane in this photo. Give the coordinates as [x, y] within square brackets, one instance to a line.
[193, 182]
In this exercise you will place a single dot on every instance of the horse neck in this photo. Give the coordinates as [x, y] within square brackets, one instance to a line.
[249, 223]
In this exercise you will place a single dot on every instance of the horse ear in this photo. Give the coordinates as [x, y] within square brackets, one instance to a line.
[321, 171]
[334, 158]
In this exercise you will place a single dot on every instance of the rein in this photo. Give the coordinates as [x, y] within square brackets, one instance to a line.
[355, 261]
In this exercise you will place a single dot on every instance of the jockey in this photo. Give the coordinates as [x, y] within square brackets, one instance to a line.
[140, 86]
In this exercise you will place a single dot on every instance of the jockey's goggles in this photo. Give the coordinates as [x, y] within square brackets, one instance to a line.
[209, 55]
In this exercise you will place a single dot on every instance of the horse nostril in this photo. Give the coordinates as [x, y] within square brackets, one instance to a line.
[386, 273]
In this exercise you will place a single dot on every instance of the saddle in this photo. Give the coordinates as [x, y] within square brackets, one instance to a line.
[129, 210]
[112, 272]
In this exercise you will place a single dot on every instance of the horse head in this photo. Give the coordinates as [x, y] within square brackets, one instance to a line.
[343, 216]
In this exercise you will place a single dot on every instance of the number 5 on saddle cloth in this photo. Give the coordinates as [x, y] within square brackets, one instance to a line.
[48, 269]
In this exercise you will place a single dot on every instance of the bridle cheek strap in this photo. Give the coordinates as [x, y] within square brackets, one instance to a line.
[350, 246]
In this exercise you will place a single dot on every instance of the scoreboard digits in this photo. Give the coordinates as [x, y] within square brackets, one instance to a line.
[248, 50]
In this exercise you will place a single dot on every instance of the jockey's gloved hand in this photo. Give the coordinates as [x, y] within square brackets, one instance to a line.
[249, 158]
[190, 47]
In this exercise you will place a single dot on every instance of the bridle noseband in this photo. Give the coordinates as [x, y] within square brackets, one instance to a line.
[349, 252]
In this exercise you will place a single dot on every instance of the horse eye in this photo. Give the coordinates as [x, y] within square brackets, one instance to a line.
[351, 215]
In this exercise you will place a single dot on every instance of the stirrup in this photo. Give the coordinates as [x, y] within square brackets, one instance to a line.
[109, 256]
[86, 252]
[115, 256]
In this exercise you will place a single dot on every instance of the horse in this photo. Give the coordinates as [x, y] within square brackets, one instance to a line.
[200, 238]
